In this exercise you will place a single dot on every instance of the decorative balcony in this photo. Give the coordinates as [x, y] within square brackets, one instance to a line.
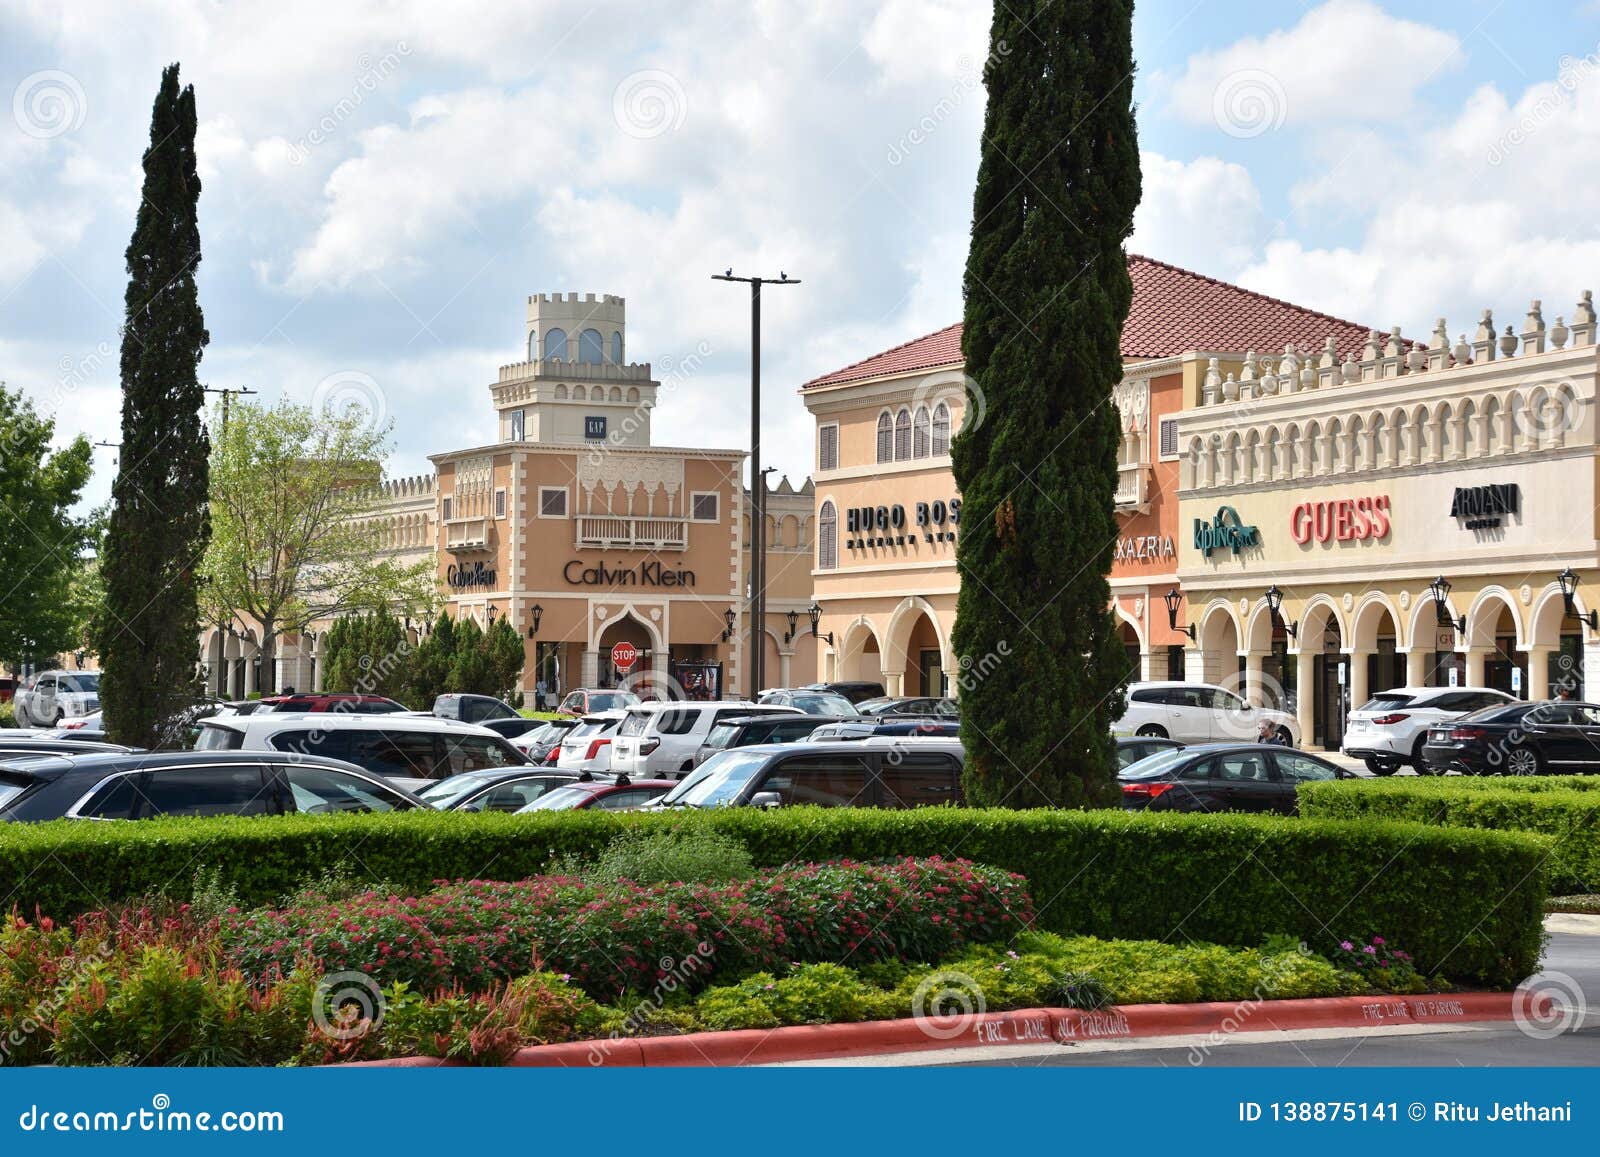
[1133, 488]
[614, 532]
[463, 534]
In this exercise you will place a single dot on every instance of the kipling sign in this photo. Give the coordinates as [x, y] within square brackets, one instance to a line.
[1227, 529]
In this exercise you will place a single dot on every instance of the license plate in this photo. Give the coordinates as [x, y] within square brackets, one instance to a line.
[1358, 725]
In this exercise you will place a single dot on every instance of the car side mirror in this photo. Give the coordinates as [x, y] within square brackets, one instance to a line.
[768, 799]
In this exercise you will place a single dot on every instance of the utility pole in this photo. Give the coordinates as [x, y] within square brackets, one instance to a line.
[758, 482]
[227, 396]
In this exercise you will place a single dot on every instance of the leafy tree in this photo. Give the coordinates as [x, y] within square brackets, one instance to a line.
[1047, 291]
[429, 676]
[40, 541]
[367, 653]
[159, 516]
[288, 548]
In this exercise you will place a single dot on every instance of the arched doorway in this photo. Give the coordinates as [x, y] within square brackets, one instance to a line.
[626, 629]
[924, 668]
[1376, 662]
[861, 658]
[1322, 694]
[1219, 646]
[1131, 645]
[1492, 643]
[1555, 647]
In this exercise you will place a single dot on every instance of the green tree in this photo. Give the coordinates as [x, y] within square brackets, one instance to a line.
[1047, 291]
[40, 541]
[429, 674]
[367, 653]
[159, 516]
[289, 485]
[506, 654]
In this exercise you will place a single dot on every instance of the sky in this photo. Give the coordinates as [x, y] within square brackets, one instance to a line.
[386, 181]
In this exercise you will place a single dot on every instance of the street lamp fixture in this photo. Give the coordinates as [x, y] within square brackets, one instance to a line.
[794, 621]
[814, 612]
[732, 620]
[1569, 590]
[493, 610]
[1172, 598]
[537, 613]
[1440, 589]
[1274, 603]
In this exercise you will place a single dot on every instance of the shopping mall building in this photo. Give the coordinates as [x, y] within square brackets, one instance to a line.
[583, 533]
[1266, 447]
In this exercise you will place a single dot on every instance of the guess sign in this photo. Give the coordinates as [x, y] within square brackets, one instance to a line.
[1341, 520]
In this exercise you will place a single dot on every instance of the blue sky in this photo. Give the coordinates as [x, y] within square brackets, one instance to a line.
[387, 180]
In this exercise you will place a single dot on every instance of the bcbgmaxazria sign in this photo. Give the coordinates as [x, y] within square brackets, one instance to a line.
[646, 574]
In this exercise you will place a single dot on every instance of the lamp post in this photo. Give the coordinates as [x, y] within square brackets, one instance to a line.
[758, 485]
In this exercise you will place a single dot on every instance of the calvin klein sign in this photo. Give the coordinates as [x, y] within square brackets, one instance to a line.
[462, 577]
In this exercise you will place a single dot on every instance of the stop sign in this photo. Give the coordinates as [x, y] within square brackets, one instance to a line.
[624, 656]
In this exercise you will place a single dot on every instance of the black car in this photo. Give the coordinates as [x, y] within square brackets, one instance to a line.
[863, 773]
[1517, 739]
[55, 743]
[928, 706]
[747, 730]
[480, 709]
[853, 691]
[501, 789]
[189, 783]
[1134, 748]
[1216, 777]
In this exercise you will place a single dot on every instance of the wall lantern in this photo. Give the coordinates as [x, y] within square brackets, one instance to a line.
[814, 612]
[537, 613]
[1440, 589]
[794, 621]
[1172, 598]
[1569, 589]
[731, 619]
[1274, 599]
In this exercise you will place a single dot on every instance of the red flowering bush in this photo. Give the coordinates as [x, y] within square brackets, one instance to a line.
[617, 937]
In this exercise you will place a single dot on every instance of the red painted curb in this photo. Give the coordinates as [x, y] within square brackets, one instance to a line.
[1031, 1026]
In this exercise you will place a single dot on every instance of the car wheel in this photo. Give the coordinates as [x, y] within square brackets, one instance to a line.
[1418, 764]
[685, 768]
[1523, 761]
[1381, 766]
[1283, 736]
[60, 715]
[1152, 731]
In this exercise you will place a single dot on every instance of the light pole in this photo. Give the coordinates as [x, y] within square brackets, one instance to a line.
[758, 483]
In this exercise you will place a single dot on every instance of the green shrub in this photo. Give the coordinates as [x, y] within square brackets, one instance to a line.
[8, 714]
[1467, 904]
[1564, 808]
[688, 856]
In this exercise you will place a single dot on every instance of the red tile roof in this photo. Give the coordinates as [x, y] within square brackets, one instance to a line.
[1174, 311]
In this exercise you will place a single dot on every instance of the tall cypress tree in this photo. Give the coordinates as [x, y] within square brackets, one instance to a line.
[1047, 291]
[160, 521]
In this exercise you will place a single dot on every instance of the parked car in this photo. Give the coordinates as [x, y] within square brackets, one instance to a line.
[131, 786]
[1199, 713]
[810, 700]
[1135, 749]
[1518, 738]
[660, 739]
[748, 730]
[922, 706]
[621, 794]
[513, 728]
[853, 691]
[501, 789]
[51, 743]
[890, 773]
[50, 696]
[544, 741]
[1388, 730]
[345, 702]
[587, 747]
[409, 750]
[1212, 777]
[593, 700]
[180, 734]
[473, 708]
[870, 726]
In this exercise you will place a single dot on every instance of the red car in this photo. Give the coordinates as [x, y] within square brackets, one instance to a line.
[334, 701]
[622, 794]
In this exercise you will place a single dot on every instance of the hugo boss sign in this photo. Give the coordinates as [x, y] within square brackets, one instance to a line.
[886, 525]
[1341, 520]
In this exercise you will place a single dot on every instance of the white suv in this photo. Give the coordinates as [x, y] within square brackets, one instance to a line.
[1388, 730]
[50, 696]
[411, 751]
[660, 739]
[1199, 713]
[587, 747]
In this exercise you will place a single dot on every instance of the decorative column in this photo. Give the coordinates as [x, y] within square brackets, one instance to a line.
[1539, 673]
[1356, 665]
[1476, 657]
[1416, 666]
[1252, 677]
[783, 668]
[1305, 696]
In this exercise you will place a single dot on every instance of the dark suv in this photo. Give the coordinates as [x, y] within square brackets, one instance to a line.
[746, 730]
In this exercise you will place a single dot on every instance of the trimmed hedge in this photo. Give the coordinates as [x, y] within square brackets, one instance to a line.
[1570, 815]
[1466, 904]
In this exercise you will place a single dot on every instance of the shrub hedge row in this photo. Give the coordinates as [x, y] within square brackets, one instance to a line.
[1570, 815]
[1466, 903]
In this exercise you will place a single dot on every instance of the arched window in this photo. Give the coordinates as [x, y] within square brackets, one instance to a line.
[533, 346]
[555, 344]
[827, 537]
[885, 437]
[919, 433]
[591, 346]
[941, 430]
[902, 435]
[616, 347]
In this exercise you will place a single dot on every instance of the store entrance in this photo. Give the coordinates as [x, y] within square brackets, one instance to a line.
[1331, 676]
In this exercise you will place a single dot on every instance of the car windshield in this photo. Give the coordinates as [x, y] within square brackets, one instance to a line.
[1154, 766]
[1499, 713]
[722, 735]
[442, 793]
[718, 780]
[10, 789]
[542, 734]
[817, 703]
[215, 738]
[611, 700]
[635, 723]
[85, 681]
[1388, 702]
[558, 799]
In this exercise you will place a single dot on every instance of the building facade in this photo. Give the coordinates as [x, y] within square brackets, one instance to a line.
[580, 531]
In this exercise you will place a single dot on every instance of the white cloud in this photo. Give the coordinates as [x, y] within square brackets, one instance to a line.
[1347, 59]
[1203, 214]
